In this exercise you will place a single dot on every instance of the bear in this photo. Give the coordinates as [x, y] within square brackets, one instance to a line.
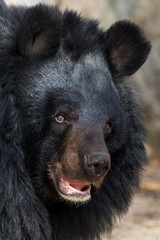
[71, 132]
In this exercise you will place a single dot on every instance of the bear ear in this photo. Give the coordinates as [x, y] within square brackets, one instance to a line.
[126, 48]
[39, 32]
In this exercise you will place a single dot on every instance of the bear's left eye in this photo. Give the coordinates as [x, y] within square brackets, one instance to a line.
[108, 128]
[60, 118]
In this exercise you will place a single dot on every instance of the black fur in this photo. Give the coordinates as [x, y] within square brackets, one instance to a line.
[49, 60]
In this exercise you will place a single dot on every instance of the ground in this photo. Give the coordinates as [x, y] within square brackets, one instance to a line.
[143, 219]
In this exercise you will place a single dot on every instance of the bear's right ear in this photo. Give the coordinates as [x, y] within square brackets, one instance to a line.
[39, 32]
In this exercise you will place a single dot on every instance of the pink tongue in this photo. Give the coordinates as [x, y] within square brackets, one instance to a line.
[80, 186]
[74, 188]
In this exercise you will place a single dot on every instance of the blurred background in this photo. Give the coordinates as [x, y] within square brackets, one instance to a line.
[143, 220]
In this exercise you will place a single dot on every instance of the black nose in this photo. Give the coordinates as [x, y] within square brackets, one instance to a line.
[98, 163]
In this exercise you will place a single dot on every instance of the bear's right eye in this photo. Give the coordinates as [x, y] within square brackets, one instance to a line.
[60, 118]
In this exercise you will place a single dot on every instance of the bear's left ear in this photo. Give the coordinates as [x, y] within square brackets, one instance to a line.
[126, 48]
[39, 32]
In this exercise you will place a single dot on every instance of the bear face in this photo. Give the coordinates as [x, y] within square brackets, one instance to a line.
[71, 139]
[77, 110]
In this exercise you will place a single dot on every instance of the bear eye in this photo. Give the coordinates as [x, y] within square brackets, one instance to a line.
[108, 128]
[60, 118]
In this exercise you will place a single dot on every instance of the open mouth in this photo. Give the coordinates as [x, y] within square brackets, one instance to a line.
[72, 190]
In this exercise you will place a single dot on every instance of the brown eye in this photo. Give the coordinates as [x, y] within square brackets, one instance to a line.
[108, 128]
[60, 118]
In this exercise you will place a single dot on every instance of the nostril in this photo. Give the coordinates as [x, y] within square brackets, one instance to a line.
[96, 165]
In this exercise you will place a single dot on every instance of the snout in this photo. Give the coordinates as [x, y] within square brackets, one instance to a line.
[97, 164]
